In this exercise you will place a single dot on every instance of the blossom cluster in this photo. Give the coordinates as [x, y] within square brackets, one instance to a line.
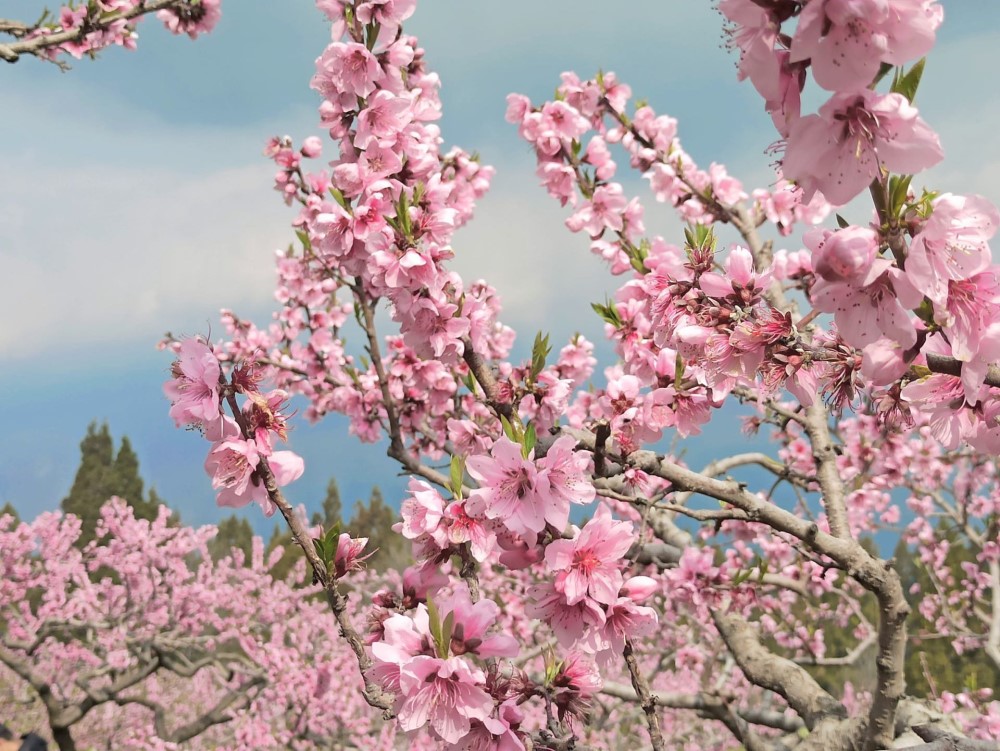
[86, 28]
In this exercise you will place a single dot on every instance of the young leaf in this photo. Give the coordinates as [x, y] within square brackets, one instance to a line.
[539, 351]
[907, 84]
[447, 629]
[530, 439]
[457, 473]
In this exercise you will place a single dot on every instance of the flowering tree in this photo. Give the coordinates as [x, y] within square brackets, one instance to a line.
[140, 640]
[867, 359]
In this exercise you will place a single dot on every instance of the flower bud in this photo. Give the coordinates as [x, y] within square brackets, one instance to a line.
[845, 255]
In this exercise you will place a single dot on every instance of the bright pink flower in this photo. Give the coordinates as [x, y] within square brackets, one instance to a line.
[384, 116]
[576, 682]
[463, 528]
[471, 626]
[589, 564]
[740, 281]
[839, 150]
[444, 694]
[509, 489]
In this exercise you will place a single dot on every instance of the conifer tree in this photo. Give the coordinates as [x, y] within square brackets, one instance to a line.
[103, 474]
[375, 521]
[234, 532]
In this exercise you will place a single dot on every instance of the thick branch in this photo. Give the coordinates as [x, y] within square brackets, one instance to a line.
[768, 670]
[818, 429]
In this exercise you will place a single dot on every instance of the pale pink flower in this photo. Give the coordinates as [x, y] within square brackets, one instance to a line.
[422, 510]
[194, 389]
[569, 623]
[952, 245]
[839, 150]
[384, 116]
[740, 280]
[877, 306]
[233, 463]
[846, 40]
[192, 18]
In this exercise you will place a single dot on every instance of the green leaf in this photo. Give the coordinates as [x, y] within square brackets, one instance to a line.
[883, 71]
[434, 622]
[842, 223]
[447, 629]
[907, 84]
[508, 429]
[530, 439]
[339, 198]
[304, 239]
[457, 473]
[539, 351]
[608, 312]
[899, 186]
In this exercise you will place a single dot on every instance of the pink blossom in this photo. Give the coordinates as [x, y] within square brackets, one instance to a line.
[348, 556]
[444, 694]
[422, 510]
[194, 389]
[472, 624]
[844, 255]
[847, 40]
[952, 245]
[192, 18]
[877, 306]
[232, 465]
[569, 623]
[509, 489]
[839, 150]
[384, 116]
[589, 564]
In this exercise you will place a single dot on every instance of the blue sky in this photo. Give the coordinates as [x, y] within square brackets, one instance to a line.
[135, 200]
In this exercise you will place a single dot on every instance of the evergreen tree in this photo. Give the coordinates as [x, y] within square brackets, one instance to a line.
[375, 521]
[332, 508]
[9, 510]
[234, 532]
[103, 474]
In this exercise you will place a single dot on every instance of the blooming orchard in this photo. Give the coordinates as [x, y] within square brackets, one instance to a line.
[866, 358]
